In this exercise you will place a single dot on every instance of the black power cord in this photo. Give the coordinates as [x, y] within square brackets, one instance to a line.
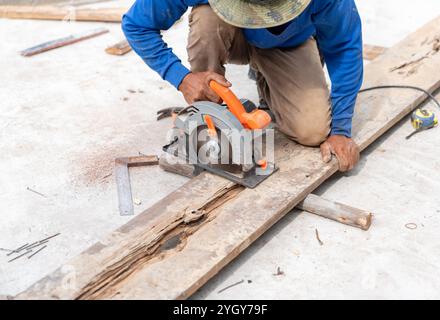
[434, 99]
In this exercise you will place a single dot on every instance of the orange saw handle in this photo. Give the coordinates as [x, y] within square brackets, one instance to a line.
[257, 119]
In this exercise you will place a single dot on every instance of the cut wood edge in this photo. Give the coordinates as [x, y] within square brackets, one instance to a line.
[119, 49]
[138, 161]
[170, 163]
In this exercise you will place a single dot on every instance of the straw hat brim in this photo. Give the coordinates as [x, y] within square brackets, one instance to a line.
[256, 14]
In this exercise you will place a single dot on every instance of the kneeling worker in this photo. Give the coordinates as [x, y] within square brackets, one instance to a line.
[283, 41]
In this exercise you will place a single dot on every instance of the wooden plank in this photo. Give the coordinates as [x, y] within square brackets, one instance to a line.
[63, 13]
[337, 211]
[371, 52]
[119, 49]
[50, 45]
[312, 203]
[172, 249]
[78, 3]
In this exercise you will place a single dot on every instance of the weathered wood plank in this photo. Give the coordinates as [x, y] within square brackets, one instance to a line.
[312, 203]
[62, 13]
[173, 248]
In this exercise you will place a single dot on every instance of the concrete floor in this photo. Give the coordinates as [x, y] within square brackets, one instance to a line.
[66, 114]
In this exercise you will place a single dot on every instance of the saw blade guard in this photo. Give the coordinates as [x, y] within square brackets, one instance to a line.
[232, 137]
[256, 119]
[235, 152]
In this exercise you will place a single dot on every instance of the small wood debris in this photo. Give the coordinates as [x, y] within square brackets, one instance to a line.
[119, 49]
[279, 272]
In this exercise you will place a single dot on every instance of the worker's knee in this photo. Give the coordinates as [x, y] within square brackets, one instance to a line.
[311, 136]
[309, 129]
[305, 116]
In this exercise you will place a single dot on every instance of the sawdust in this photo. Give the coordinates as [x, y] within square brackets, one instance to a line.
[95, 168]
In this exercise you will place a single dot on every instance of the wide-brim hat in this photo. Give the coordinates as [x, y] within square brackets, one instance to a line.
[256, 14]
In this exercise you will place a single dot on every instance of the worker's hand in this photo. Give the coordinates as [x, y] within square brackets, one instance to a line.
[195, 86]
[345, 149]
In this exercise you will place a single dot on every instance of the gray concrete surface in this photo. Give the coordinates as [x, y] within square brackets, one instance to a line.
[66, 114]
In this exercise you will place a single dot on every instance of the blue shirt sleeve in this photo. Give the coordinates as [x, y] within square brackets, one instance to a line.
[339, 34]
[142, 26]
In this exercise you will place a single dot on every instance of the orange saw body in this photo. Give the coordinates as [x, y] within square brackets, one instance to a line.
[225, 139]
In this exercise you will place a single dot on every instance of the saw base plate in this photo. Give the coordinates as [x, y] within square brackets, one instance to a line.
[250, 179]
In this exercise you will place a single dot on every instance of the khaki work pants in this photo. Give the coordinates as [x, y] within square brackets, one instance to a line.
[291, 81]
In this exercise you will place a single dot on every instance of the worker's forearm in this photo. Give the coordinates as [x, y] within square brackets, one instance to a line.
[155, 53]
[341, 43]
[142, 26]
[346, 82]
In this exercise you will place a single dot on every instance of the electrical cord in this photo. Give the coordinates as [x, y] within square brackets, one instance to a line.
[434, 99]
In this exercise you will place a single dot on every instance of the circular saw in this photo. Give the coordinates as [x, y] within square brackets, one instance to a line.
[225, 139]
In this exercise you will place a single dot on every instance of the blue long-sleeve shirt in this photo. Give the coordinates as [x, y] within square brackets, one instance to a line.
[335, 24]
